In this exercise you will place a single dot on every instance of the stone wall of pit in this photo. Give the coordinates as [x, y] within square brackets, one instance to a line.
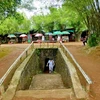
[36, 65]
[62, 68]
[31, 68]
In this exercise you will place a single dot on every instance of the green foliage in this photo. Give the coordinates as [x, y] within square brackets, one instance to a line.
[89, 12]
[92, 41]
[38, 52]
[58, 19]
[19, 17]
[8, 26]
[37, 22]
[9, 18]
[14, 24]
[27, 4]
[25, 26]
[8, 8]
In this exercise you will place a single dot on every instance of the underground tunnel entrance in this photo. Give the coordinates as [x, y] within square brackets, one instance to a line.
[46, 68]
[36, 76]
[44, 56]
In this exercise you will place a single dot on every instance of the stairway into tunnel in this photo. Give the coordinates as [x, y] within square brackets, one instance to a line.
[32, 76]
[41, 80]
[37, 65]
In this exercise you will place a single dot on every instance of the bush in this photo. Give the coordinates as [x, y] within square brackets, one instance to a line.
[92, 40]
[3, 41]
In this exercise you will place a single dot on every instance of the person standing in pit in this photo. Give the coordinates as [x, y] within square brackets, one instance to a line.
[51, 64]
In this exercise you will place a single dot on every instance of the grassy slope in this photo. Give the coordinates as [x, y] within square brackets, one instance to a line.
[4, 51]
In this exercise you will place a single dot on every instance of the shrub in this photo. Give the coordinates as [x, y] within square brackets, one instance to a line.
[92, 40]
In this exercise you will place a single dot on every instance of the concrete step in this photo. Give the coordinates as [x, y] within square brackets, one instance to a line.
[53, 94]
[46, 81]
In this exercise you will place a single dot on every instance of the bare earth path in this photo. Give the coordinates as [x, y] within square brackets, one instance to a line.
[7, 61]
[90, 63]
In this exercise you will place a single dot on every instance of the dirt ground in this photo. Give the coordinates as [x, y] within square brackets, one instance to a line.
[88, 59]
[7, 60]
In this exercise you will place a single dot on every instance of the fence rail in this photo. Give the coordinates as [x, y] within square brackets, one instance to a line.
[4, 81]
[85, 80]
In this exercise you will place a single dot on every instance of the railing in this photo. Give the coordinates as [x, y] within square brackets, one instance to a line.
[47, 44]
[4, 81]
[84, 79]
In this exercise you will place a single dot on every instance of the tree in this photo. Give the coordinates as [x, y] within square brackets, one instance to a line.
[13, 24]
[37, 22]
[9, 25]
[25, 26]
[8, 8]
[27, 4]
[58, 19]
[89, 11]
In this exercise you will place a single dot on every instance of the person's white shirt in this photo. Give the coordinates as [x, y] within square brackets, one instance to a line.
[43, 38]
[58, 39]
[51, 63]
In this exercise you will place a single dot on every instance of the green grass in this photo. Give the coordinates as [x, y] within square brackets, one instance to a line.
[4, 51]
